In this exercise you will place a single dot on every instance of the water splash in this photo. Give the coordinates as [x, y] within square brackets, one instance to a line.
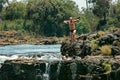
[4, 58]
[0, 65]
[26, 51]
[50, 57]
[47, 71]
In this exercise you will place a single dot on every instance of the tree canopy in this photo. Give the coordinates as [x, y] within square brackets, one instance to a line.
[48, 15]
[45, 17]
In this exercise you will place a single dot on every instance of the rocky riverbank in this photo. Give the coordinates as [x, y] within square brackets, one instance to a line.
[100, 43]
[96, 57]
[13, 38]
[83, 69]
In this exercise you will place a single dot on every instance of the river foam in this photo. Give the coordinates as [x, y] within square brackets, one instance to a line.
[27, 51]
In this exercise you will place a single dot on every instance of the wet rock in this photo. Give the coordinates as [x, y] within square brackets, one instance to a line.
[54, 70]
[87, 68]
[65, 71]
[20, 70]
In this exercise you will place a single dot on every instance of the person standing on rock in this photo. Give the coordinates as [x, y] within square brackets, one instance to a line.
[71, 23]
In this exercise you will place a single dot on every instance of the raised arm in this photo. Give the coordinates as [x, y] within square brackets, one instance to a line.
[76, 20]
[66, 21]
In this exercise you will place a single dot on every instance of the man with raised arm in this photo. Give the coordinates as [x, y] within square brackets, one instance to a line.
[71, 23]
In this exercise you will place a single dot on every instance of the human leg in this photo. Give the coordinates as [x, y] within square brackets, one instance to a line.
[71, 36]
[74, 32]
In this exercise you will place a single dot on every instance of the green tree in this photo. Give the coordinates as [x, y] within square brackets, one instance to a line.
[15, 10]
[100, 9]
[48, 16]
[2, 2]
[90, 20]
[13, 16]
[114, 18]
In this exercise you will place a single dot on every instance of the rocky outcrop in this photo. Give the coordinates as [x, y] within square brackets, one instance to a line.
[83, 69]
[75, 49]
[90, 44]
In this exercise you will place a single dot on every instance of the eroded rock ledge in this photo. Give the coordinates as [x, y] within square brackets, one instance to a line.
[100, 43]
[87, 68]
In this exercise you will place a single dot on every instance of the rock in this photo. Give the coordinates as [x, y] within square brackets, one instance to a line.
[107, 39]
[50, 42]
[91, 44]
[115, 50]
[75, 48]
[20, 70]
[31, 69]
[70, 49]
[117, 33]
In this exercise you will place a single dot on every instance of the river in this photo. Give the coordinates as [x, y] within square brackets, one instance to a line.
[42, 52]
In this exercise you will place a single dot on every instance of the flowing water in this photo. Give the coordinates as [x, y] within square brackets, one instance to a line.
[48, 53]
[41, 52]
[46, 74]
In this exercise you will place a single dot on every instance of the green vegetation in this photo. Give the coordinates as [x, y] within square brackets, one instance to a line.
[94, 44]
[45, 17]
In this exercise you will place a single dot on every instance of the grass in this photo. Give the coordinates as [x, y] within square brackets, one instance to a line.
[106, 50]
[101, 33]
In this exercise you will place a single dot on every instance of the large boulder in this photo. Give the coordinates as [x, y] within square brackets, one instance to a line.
[107, 39]
[81, 48]
[115, 50]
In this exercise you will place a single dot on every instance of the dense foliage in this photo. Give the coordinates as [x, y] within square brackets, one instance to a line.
[48, 16]
[2, 2]
[45, 17]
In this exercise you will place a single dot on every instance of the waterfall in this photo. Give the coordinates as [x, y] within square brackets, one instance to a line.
[0, 65]
[46, 74]
[58, 69]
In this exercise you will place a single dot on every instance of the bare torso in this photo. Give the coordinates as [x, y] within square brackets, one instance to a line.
[72, 25]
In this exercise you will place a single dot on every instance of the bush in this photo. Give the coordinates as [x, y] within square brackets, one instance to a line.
[101, 33]
[94, 45]
[12, 40]
[106, 49]
[26, 38]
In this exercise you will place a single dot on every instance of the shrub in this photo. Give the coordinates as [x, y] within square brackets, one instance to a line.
[94, 45]
[12, 40]
[106, 49]
[26, 38]
[101, 33]
[10, 33]
[118, 29]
